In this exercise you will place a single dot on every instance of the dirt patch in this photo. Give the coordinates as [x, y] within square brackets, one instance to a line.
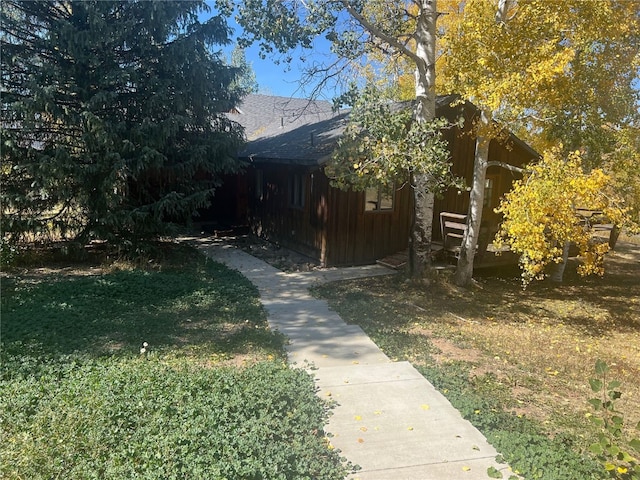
[448, 351]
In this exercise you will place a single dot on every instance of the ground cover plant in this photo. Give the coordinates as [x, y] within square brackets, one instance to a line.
[162, 370]
[517, 363]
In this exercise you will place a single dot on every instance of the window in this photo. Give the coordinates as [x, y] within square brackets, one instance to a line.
[296, 190]
[376, 199]
[489, 192]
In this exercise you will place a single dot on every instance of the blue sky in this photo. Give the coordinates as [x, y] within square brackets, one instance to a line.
[274, 79]
[284, 79]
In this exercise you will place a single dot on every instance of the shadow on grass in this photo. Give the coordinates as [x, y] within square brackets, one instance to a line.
[201, 306]
[597, 306]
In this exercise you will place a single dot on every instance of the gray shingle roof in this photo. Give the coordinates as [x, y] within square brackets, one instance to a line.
[299, 131]
[288, 130]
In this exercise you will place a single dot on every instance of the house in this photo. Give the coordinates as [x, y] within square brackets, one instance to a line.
[285, 196]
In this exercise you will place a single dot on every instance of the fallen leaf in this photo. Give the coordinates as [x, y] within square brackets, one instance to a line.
[357, 418]
[360, 440]
[466, 469]
[424, 406]
[364, 429]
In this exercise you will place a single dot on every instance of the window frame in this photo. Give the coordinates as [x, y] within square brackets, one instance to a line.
[491, 184]
[377, 208]
[297, 190]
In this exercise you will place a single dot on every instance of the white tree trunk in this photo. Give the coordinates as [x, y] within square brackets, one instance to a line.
[557, 269]
[503, 10]
[464, 269]
[422, 225]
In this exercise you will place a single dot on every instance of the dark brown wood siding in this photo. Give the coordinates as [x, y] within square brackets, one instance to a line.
[356, 237]
[272, 215]
[332, 226]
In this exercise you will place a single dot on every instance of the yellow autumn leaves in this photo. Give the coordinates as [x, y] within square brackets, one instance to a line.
[541, 214]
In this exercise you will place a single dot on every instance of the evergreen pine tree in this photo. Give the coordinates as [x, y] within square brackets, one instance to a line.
[112, 123]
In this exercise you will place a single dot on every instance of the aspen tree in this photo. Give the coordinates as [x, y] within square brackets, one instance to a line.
[555, 72]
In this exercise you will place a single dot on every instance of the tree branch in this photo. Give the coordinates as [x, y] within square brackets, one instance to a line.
[376, 32]
[511, 168]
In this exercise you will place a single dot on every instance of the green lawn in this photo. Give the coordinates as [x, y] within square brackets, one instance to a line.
[167, 371]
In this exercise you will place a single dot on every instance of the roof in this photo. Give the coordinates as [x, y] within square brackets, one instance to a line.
[302, 132]
[288, 130]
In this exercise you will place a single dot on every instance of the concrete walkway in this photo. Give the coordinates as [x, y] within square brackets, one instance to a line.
[388, 418]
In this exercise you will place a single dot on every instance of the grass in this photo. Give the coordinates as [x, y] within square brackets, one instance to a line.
[516, 363]
[183, 307]
[166, 370]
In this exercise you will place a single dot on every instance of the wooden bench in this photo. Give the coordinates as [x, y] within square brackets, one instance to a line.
[452, 229]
